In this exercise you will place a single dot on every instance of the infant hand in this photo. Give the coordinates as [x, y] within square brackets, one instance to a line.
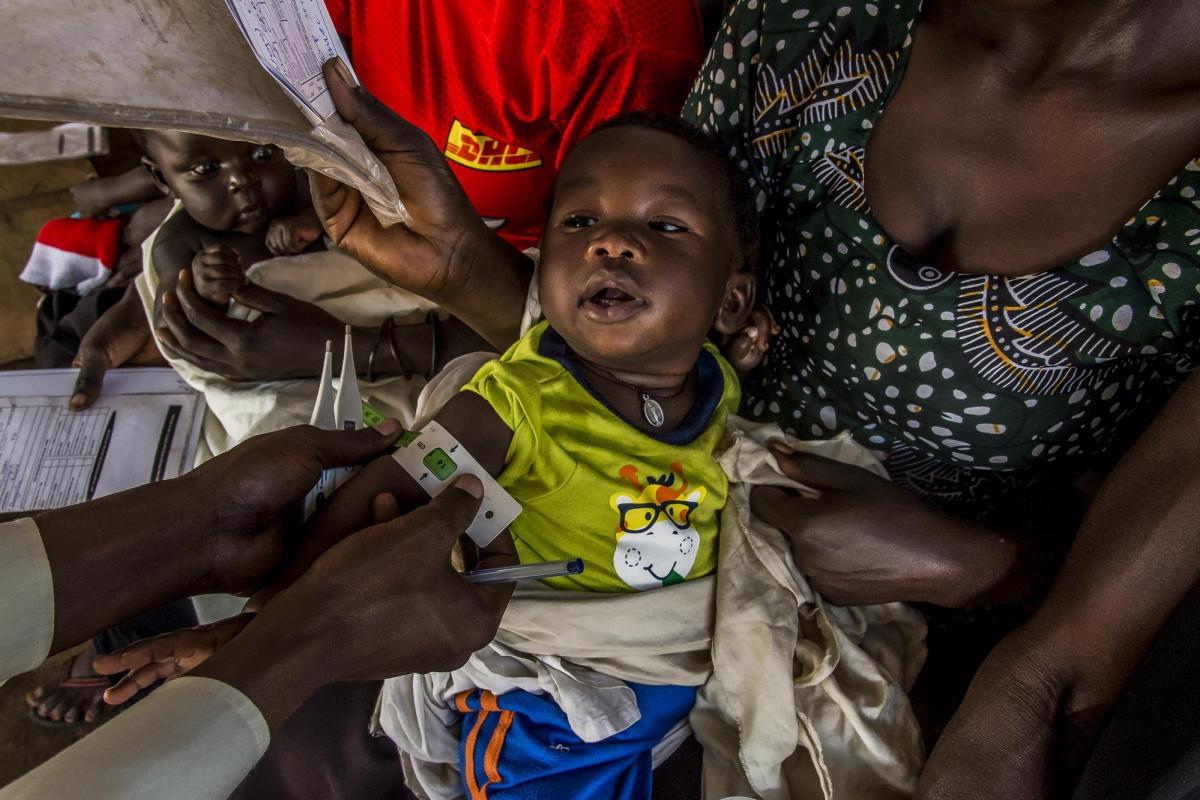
[746, 349]
[290, 235]
[217, 273]
[167, 656]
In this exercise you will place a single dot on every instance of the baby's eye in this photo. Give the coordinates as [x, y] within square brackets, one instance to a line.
[204, 168]
[666, 226]
[579, 221]
[263, 152]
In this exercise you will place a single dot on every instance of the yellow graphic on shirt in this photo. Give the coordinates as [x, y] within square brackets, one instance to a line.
[656, 543]
[474, 150]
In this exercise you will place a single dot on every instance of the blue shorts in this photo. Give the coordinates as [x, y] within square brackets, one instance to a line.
[520, 745]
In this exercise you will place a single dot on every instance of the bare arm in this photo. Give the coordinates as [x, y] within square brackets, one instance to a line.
[467, 417]
[864, 540]
[445, 253]
[1039, 697]
[174, 248]
[213, 529]
[96, 196]
[287, 340]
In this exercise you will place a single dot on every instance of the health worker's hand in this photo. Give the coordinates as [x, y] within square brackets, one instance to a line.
[254, 490]
[382, 602]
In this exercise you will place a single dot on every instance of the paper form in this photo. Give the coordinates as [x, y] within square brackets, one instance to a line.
[144, 428]
[292, 39]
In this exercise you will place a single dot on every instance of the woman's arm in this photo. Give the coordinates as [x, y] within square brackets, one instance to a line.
[1034, 708]
[864, 540]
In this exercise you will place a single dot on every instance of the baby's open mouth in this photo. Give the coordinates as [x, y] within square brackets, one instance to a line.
[609, 297]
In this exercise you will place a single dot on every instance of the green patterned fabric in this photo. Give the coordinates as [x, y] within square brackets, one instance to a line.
[985, 393]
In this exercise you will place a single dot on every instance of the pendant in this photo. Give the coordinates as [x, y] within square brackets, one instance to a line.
[652, 411]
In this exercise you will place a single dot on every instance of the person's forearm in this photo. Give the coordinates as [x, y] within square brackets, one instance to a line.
[410, 349]
[490, 280]
[107, 569]
[274, 666]
[988, 564]
[1135, 556]
[134, 186]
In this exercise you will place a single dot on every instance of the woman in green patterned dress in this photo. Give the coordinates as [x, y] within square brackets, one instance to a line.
[994, 286]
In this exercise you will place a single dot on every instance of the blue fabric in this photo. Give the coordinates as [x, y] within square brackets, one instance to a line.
[535, 755]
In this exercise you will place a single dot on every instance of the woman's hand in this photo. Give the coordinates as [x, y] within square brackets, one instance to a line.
[286, 341]
[445, 252]
[865, 540]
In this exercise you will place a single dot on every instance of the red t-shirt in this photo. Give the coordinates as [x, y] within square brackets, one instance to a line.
[506, 89]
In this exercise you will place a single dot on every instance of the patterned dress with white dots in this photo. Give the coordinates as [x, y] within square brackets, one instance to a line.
[987, 394]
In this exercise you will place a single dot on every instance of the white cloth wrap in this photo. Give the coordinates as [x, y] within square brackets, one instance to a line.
[26, 598]
[797, 699]
[330, 279]
[192, 739]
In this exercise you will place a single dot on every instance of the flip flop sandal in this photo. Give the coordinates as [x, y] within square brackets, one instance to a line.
[73, 682]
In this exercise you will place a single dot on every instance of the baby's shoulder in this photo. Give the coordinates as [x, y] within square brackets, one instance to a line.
[182, 235]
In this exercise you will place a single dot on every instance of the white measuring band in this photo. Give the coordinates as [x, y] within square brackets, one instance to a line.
[434, 459]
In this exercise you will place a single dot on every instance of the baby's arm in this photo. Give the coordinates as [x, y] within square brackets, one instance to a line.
[467, 417]
[178, 242]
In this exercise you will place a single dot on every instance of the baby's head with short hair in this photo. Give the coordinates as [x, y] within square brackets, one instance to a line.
[650, 245]
[224, 185]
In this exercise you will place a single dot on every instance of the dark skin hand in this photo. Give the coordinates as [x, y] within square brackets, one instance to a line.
[326, 626]
[864, 541]
[294, 233]
[218, 273]
[1023, 134]
[287, 340]
[445, 253]
[120, 337]
[228, 539]
[355, 505]
[746, 349]
[1134, 558]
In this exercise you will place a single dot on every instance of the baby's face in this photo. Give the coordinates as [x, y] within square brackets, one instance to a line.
[224, 185]
[638, 250]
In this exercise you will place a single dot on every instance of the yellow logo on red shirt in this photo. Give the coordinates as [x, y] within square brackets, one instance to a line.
[474, 150]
